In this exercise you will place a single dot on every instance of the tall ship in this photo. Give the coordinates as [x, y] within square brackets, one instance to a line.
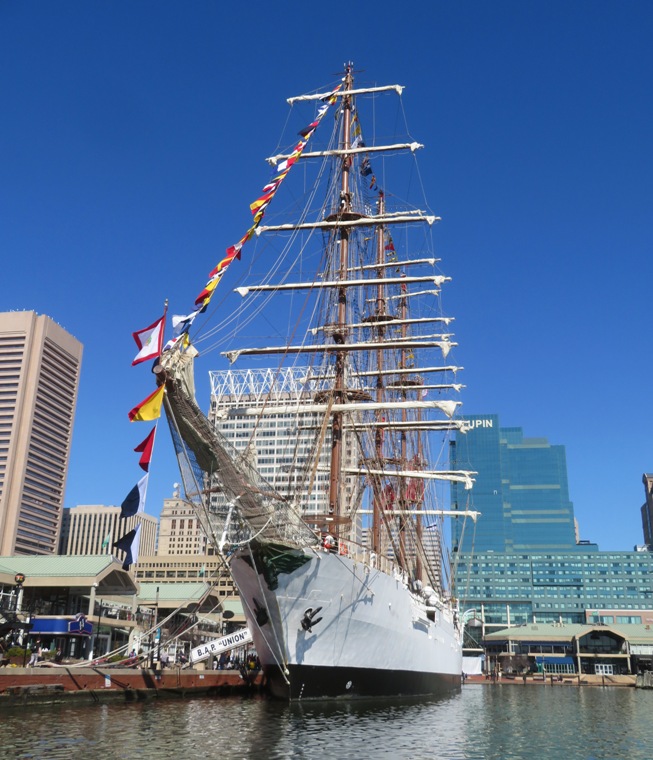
[320, 473]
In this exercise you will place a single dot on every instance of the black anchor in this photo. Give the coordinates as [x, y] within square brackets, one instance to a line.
[308, 621]
[260, 613]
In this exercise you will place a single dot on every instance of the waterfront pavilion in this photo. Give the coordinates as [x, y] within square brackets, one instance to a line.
[55, 598]
[568, 648]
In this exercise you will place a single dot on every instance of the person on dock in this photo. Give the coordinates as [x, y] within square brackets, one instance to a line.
[37, 652]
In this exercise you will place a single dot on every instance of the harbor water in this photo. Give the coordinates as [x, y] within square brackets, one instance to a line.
[482, 722]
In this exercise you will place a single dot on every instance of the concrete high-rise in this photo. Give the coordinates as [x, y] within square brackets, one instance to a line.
[93, 528]
[269, 417]
[184, 553]
[180, 529]
[39, 376]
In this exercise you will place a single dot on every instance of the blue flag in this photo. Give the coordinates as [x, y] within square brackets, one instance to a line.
[135, 500]
[129, 544]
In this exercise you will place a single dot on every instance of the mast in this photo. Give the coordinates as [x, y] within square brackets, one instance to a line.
[419, 505]
[369, 340]
[339, 395]
[403, 433]
[379, 432]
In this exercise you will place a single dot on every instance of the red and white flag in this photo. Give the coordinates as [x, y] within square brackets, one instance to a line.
[149, 341]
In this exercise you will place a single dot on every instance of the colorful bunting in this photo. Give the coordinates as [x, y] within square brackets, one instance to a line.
[391, 254]
[145, 449]
[357, 142]
[130, 544]
[181, 323]
[149, 341]
[135, 500]
[216, 275]
[260, 204]
[365, 168]
[149, 408]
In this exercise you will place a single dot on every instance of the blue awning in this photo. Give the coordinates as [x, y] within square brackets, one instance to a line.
[554, 660]
[61, 626]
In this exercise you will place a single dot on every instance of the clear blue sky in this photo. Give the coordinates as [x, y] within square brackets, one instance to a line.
[132, 135]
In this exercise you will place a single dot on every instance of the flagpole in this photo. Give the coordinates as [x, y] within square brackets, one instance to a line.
[163, 326]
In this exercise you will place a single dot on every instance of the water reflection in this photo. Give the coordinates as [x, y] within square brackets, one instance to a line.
[481, 723]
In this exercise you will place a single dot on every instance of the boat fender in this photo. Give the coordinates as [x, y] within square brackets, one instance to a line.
[309, 619]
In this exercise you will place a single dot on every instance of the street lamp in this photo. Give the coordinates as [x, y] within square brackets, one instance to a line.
[96, 638]
[28, 621]
[156, 634]
[19, 579]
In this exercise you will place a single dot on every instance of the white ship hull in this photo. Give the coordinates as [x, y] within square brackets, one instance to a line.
[374, 637]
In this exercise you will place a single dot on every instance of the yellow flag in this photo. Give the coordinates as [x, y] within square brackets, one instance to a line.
[149, 408]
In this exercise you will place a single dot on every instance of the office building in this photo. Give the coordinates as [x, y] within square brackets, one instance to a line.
[524, 562]
[518, 588]
[183, 553]
[647, 511]
[187, 568]
[521, 490]
[265, 414]
[39, 377]
[180, 530]
[93, 529]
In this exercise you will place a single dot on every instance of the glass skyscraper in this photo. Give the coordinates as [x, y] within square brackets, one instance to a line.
[521, 490]
[523, 562]
[647, 511]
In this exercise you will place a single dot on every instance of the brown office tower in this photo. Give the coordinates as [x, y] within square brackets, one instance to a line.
[39, 375]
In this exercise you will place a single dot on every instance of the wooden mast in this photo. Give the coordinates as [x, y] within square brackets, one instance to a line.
[379, 496]
[419, 505]
[340, 396]
[403, 561]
